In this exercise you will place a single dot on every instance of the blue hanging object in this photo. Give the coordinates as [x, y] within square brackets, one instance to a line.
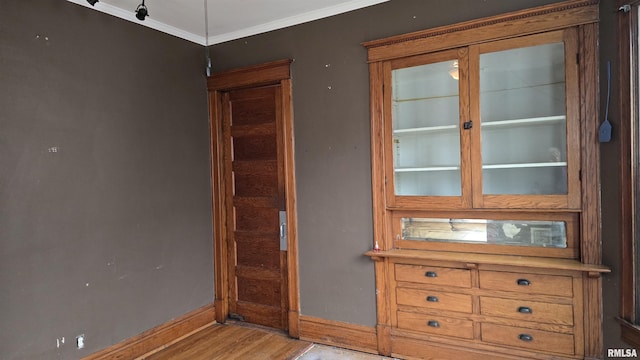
[604, 133]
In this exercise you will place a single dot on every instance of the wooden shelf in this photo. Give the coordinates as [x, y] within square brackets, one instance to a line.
[427, 169]
[487, 167]
[525, 165]
[528, 121]
[490, 259]
[489, 124]
[414, 99]
[422, 130]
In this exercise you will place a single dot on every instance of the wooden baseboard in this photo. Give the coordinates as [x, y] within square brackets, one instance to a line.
[158, 337]
[340, 334]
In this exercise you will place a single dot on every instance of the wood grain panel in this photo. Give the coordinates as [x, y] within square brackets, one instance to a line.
[436, 325]
[337, 333]
[433, 275]
[260, 291]
[257, 219]
[289, 188]
[523, 309]
[271, 72]
[255, 167]
[255, 185]
[257, 251]
[517, 23]
[253, 130]
[253, 106]
[270, 316]
[591, 249]
[531, 262]
[544, 341]
[414, 349]
[255, 148]
[435, 300]
[537, 283]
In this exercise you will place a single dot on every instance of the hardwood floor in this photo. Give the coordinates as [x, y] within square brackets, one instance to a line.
[232, 341]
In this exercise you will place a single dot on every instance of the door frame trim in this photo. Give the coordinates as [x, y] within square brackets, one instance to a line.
[276, 72]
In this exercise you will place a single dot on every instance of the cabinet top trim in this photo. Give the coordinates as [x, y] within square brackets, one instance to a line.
[489, 259]
[524, 22]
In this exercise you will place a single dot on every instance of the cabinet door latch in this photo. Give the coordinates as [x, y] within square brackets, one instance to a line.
[467, 125]
[283, 230]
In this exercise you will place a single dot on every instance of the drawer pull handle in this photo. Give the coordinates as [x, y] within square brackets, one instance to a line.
[433, 323]
[432, 299]
[431, 274]
[523, 282]
[525, 337]
[525, 310]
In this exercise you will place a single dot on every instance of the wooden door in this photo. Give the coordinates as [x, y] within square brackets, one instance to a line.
[255, 196]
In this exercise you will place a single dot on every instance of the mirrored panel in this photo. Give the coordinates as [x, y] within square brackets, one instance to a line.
[500, 232]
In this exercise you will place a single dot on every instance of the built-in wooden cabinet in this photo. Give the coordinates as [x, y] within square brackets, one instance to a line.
[485, 125]
[484, 164]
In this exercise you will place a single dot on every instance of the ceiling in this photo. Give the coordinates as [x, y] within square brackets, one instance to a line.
[226, 19]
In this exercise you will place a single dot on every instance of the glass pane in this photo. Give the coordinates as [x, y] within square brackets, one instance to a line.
[426, 138]
[481, 231]
[522, 105]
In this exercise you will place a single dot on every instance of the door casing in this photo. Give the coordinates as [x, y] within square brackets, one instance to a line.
[277, 72]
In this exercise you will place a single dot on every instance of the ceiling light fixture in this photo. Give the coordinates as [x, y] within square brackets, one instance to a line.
[92, 2]
[453, 70]
[141, 11]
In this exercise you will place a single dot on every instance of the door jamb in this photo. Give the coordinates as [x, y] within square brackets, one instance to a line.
[277, 72]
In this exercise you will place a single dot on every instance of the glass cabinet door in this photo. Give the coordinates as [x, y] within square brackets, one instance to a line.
[425, 127]
[522, 107]
[528, 134]
[485, 126]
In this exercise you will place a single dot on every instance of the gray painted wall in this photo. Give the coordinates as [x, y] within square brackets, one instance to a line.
[105, 205]
[123, 205]
[331, 125]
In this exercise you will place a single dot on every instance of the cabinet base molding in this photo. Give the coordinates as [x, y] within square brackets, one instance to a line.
[340, 334]
[159, 336]
[411, 348]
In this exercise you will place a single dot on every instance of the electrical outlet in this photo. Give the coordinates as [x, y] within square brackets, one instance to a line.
[80, 341]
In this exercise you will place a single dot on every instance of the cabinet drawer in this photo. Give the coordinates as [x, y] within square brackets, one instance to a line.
[527, 283]
[436, 325]
[433, 275]
[528, 338]
[436, 300]
[561, 314]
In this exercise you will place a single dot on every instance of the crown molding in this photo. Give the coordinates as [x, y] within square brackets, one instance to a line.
[294, 20]
[233, 35]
